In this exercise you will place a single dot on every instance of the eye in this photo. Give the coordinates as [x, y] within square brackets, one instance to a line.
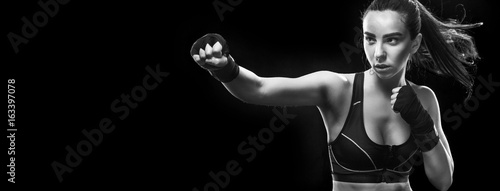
[370, 40]
[392, 41]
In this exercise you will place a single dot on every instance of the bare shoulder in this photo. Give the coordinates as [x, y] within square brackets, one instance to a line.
[335, 85]
[332, 80]
[426, 96]
[332, 77]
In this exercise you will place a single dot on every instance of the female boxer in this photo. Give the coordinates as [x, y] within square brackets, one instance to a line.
[377, 122]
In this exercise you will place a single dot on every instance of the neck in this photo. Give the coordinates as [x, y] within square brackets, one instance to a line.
[387, 84]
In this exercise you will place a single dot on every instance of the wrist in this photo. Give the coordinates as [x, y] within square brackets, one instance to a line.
[227, 73]
[426, 141]
[424, 132]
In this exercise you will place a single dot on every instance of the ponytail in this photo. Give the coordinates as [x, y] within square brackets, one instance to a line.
[446, 49]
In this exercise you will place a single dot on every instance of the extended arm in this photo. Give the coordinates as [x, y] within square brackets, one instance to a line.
[311, 89]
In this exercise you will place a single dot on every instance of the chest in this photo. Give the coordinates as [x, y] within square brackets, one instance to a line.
[382, 125]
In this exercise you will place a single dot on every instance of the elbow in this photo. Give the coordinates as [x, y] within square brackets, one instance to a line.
[443, 183]
[439, 170]
[447, 179]
[446, 185]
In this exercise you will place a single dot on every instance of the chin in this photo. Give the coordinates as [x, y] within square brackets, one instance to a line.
[384, 75]
[390, 74]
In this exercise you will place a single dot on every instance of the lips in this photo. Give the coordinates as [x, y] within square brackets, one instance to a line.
[382, 66]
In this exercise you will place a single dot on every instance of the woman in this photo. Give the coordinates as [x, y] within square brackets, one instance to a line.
[377, 122]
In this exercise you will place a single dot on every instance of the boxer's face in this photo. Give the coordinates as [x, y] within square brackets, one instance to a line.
[387, 42]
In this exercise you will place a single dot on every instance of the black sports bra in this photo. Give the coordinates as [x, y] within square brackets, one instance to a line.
[356, 158]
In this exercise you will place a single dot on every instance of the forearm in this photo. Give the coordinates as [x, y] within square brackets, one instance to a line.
[245, 86]
[439, 166]
[309, 89]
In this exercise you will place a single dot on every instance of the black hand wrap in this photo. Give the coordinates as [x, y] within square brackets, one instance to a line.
[421, 124]
[224, 74]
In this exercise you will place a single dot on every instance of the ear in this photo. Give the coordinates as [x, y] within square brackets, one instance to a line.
[415, 44]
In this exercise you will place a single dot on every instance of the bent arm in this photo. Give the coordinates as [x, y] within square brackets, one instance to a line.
[310, 89]
[438, 162]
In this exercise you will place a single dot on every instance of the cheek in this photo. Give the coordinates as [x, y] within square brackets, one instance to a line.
[368, 50]
[399, 54]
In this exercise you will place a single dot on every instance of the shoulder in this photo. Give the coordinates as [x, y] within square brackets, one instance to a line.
[331, 79]
[336, 86]
[331, 76]
[426, 96]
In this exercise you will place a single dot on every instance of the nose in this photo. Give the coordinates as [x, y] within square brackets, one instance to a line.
[380, 54]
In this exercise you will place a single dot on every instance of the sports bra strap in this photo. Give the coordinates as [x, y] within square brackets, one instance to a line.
[359, 79]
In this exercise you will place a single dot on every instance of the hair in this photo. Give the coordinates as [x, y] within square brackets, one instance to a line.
[445, 48]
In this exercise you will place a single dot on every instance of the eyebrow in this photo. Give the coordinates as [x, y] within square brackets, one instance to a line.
[398, 34]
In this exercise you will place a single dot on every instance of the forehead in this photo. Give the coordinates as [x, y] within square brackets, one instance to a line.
[383, 22]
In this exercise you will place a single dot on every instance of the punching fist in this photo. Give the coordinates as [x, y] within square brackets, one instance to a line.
[210, 51]
[212, 54]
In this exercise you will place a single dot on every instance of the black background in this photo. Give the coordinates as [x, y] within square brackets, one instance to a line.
[90, 53]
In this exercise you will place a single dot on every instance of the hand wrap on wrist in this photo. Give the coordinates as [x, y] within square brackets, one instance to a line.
[227, 73]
